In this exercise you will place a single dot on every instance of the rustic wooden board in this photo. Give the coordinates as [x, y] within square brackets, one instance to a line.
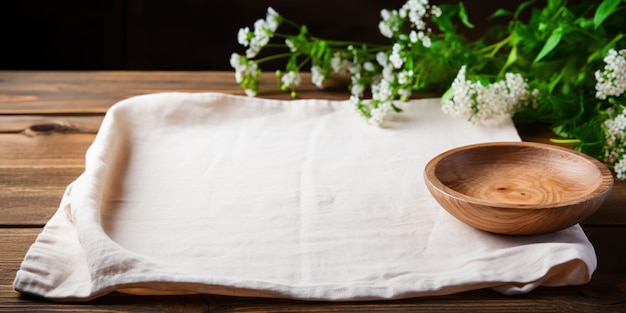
[32, 125]
[606, 292]
[30, 196]
[53, 150]
[94, 92]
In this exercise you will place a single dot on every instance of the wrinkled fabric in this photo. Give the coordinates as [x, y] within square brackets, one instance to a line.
[211, 193]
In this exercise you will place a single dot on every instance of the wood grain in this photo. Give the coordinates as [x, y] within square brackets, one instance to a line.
[605, 293]
[30, 195]
[44, 125]
[65, 150]
[94, 92]
[519, 188]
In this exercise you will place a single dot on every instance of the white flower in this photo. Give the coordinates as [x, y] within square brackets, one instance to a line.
[379, 113]
[290, 45]
[478, 103]
[390, 23]
[382, 91]
[260, 37]
[291, 79]
[317, 77]
[620, 169]
[243, 67]
[611, 81]
[273, 19]
[381, 58]
[243, 36]
[404, 77]
[435, 11]
[395, 57]
[249, 92]
[339, 64]
[413, 36]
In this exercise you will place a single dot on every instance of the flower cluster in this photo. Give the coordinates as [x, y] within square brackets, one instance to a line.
[488, 77]
[612, 80]
[397, 77]
[611, 84]
[264, 30]
[416, 13]
[385, 70]
[478, 103]
[247, 70]
[615, 134]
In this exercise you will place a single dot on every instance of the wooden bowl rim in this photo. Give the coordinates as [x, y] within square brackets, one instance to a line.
[605, 185]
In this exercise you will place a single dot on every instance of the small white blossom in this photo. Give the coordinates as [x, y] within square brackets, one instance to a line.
[395, 58]
[404, 77]
[435, 11]
[379, 113]
[413, 36]
[620, 169]
[243, 67]
[381, 58]
[317, 77]
[390, 23]
[273, 19]
[250, 92]
[339, 64]
[290, 45]
[382, 91]
[246, 73]
[291, 79]
[611, 81]
[243, 36]
[263, 32]
[478, 103]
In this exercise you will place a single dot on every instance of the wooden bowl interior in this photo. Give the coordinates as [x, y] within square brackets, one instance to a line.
[519, 176]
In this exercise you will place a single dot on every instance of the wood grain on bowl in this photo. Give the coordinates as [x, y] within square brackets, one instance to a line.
[518, 188]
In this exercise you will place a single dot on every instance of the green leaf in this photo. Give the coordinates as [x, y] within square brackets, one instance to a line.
[447, 95]
[591, 136]
[500, 12]
[521, 8]
[444, 21]
[463, 16]
[512, 58]
[551, 43]
[605, 9]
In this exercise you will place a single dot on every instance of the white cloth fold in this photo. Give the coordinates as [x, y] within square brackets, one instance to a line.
[212, 193]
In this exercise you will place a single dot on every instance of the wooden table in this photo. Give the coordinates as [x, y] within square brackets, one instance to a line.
[49, 119]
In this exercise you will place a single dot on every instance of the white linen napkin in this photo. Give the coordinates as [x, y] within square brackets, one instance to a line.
[212, 193]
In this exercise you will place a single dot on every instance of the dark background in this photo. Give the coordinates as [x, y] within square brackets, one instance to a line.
[174, 35]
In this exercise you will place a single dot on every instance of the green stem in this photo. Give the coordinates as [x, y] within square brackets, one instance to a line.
[494, 48]
[273, 57]
[565, 140]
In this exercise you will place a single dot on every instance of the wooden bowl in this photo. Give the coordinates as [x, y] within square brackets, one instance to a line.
[518, 188]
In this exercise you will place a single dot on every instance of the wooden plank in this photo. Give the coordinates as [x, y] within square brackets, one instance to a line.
[53, 150]
[30, 196]
[606, 292]
[52, 92]
[33, 125]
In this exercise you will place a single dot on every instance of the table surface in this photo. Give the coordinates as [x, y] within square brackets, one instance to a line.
[49, 119]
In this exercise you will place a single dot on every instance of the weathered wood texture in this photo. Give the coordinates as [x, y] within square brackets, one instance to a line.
[49, 119]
